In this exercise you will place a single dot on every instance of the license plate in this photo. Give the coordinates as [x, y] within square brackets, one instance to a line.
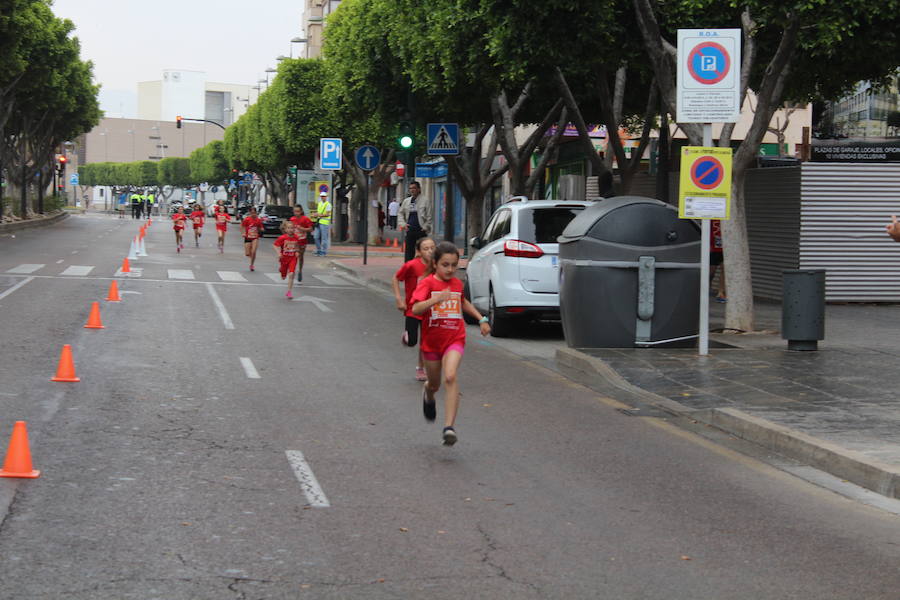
[554, 260]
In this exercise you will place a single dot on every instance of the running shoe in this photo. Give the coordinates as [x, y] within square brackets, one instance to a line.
[299, 276]
[420, 374]
[449, 436]
[178, 249]
[404, 338]
[428, 408]
[289, 295]
[251, 267]
[196, 244]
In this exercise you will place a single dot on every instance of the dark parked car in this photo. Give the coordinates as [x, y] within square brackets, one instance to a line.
[272, 216]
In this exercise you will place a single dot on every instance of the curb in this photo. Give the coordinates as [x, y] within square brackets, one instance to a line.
[370, 282]
[826, 456]
[32, 223]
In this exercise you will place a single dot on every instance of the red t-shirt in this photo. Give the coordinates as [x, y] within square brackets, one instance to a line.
[289, 244]
[301, 221]
[252, 226]
[715, 237]
[443, 323]
[198, 218]
[222, 219]
[178, 220]
[409, 274]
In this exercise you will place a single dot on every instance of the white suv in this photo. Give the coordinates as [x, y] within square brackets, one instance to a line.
[514, 275]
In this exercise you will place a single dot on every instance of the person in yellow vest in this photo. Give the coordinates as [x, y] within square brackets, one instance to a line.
[151, 200]
[322, 217]
[135, 205]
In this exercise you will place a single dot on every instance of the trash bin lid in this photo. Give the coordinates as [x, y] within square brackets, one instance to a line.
[649, 213]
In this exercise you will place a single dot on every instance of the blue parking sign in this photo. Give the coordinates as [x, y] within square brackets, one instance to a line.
[330, 158]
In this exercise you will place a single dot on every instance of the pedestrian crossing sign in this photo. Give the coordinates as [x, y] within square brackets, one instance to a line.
[443, 139]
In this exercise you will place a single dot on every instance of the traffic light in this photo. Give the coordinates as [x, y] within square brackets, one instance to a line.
[61, 161]
[178, 122]
[405, 135]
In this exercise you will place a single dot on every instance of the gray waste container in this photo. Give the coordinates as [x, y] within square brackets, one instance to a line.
[629, 276]
[803, 308]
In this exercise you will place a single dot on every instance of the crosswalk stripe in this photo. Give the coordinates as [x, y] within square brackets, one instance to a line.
[78, 271]
[181, 274]
[135, 272]
[25, 269]
[330, 279]
[276, 277]
[230, 276]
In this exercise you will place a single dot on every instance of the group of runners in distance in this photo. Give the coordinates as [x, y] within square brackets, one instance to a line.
[434, 303]
[290, 246]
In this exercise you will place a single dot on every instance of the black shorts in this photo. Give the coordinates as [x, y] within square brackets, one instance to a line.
[412, 331]
[716, 258]
[249, 240]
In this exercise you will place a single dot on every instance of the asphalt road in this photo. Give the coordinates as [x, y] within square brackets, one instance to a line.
[170, 472]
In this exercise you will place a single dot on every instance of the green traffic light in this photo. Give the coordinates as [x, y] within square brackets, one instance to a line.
[406, 141]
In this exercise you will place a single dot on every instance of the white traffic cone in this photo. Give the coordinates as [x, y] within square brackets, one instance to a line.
[132, 253]
[142, 249]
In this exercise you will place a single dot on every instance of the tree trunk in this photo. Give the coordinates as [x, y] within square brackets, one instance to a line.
[739, 284]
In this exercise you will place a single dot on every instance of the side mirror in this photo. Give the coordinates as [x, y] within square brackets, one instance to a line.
[476, 242]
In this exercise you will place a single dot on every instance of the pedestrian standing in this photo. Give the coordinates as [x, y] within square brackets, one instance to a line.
[393, 209]
[198, 219]
[178, 221]
[717, 258]
[439, 300]
[410, 274]
[323, 224]
[251, 227]
[415, 217]
[135, 205]
[288, 248]
[222, 219]
[303, 226]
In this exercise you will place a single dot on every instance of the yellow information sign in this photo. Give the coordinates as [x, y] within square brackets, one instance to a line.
[705, 190]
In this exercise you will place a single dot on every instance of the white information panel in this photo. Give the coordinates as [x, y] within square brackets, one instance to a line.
[709, 75]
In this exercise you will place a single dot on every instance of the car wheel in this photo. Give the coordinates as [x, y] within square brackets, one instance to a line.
[500, 326]
[469, 319]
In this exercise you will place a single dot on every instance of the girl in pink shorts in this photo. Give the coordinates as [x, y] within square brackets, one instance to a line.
[439, 300]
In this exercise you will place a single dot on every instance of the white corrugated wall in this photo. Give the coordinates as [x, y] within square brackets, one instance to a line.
[844, 209]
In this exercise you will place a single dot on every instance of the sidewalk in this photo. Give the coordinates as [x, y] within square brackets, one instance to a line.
[837, 409]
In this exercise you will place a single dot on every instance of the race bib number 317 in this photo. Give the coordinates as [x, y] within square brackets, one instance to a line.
[448, 309]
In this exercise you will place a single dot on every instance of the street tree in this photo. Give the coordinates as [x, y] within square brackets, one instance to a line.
[791, 52]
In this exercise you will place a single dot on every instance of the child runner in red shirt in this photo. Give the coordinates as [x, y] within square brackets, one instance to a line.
[251, 227]
[410, 274]
[178, 220]
[439, 300]
[198, 219]
[288, 247]
[222, 219]
[302, 226]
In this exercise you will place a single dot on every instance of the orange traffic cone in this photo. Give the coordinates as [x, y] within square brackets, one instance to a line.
[18, 456]
[65, 371]
[113, 295]
[125, 267]
[93, 321]
[396, 245]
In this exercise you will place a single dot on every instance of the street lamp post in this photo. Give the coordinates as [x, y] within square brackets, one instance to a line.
[297, 40]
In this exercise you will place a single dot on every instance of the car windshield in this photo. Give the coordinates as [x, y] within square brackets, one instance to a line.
[544, 225]
[279, 211]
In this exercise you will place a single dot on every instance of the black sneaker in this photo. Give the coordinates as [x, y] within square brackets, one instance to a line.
[449, 436]
[299, 276]
[428, 408]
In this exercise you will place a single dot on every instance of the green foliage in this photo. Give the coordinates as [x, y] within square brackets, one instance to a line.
[209, 163]
[169, 171]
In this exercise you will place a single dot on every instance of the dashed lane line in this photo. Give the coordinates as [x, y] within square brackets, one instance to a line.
[249, 369]
[308, 483]
[223, 314]
[15, 287]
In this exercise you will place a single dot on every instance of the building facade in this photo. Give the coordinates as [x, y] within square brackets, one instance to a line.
[188, 94]
[129, 140]
[865, 112]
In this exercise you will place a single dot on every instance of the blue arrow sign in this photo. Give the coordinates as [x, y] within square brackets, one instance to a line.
[330, 157]
[443, 138]
[368, 157]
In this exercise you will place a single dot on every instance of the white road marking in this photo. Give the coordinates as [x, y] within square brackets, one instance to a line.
[220, 307]
[78, 271]
[181, 274]
[230, 276]
[249, 369]
[15, 287]
[74, 251]
[330, 279]
[60, 261]
[25, 269]
[135, 272]
[319, 302]
[276, 277]
[308, 483]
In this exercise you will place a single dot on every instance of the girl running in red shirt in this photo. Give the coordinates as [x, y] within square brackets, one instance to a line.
[222, 219]
[288, 247]
[440, 302]
[410, 274]
[198, 219]
[251, 227]
[178, 220]
[302, 226]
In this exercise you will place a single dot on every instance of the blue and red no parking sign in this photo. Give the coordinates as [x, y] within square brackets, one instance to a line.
[705, 183]
[707, 172]
[709, 63]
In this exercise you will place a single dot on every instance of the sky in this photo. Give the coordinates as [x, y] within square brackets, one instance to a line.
[135, 40]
